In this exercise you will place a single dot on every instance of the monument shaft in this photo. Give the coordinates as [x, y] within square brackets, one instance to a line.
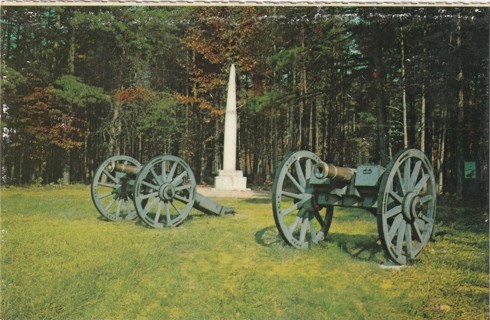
[230, 178]
[229, 148]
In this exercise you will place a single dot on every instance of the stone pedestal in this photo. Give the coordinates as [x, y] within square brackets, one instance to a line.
[230, 180]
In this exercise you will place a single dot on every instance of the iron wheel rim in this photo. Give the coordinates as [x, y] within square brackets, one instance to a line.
[406, 206]
[165, 191]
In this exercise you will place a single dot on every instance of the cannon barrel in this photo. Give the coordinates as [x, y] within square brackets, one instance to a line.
[129, 169]
[323, 170]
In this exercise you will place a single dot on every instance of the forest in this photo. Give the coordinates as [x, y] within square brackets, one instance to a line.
[353, 85]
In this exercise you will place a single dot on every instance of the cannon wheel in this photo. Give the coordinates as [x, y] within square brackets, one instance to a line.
[406, 205]
[112, 192]
[165, 191]
[297, 218]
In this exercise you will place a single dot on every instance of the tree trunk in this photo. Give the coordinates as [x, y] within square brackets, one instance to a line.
[404, 93]
[290, 145]
[422, 119]
[423, 103]
[378, 75]
[72, 52]
[115, 129]
[460, 133]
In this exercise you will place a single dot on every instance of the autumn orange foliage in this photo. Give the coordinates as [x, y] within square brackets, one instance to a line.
[134, 94]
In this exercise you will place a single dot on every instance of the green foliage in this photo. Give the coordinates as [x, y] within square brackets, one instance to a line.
[59, 261]
[76, 93]
[10, 80]
[367, 118]
[286, 59]
[267, 100]
[162, 113]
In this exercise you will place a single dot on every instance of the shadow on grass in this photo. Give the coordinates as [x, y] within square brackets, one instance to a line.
[360, 247]
[137, 221]
[463, 218]
[257, 200]
[268, 237]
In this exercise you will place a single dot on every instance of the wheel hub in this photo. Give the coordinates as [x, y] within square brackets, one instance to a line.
[166, 192]
[412, 206]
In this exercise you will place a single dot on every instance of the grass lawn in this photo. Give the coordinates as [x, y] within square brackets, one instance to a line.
[59, 260]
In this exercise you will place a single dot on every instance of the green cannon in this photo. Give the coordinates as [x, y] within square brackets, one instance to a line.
[402, 196]
[162, 192]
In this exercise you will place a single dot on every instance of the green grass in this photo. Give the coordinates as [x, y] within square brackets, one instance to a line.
[59, 260]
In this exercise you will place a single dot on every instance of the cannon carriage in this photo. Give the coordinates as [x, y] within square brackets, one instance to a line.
[161, 193]
[402, 196]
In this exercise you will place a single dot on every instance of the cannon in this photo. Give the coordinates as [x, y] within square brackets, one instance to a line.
[162, 192]
[402, 196]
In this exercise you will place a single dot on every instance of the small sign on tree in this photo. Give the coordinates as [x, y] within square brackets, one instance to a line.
[470, 170]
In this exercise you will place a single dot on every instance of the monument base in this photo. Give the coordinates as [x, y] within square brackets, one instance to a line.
[230, 180]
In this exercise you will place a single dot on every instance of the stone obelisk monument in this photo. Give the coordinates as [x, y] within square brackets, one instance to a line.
[229, 178]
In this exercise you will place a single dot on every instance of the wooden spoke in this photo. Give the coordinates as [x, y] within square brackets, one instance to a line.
[304, 226]
[178, 180]
[417, 231]
[421, 183]
[296, 184]
[408, 240]
[400, 182]
[183, 187]
[300, 174]
[394, 227]
[110, 204]
[293, 226]
[152, 186]
[291, 195]
[159, 210]
[415, 173]
[289, 210]
[393, 211]
[426, 198]
[172, 172]
[308, 169]
[105, 195]
[399, 238]
[406, 173]
[110, 176]
[149, 195]
[182, 199]
[312, 229]
[118, 210]
[149, 206]
[319, 218]
[108, 185]
[128, 207]
[167, 212]
[164, 171]
[156, 176]
[396, 196]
